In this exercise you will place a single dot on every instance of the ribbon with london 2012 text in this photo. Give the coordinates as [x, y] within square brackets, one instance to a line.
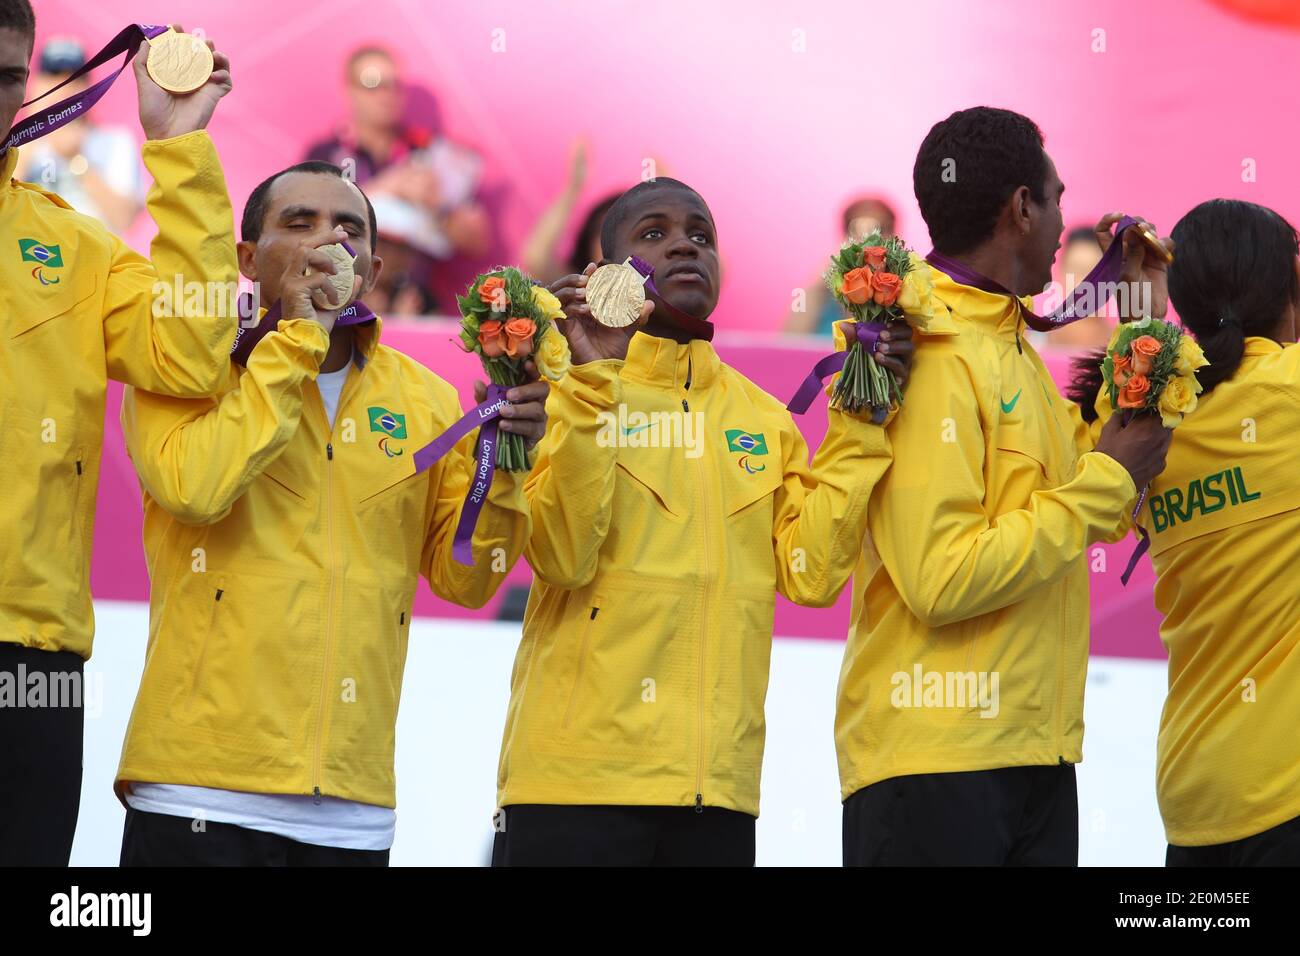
[485, 416]
[77, 105]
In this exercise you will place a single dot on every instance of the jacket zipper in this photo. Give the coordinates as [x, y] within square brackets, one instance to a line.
[329, 620]
[582, 660]
[349, 386]
[704, 605]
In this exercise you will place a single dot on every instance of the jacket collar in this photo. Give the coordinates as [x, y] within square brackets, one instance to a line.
[653, 360]
[998, 314]
[1258, 345]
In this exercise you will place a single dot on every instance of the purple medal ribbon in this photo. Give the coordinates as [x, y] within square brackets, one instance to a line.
[1144, 540]
[247, 336]
[65, 111]
[698, 328]
[1104, 273]
[868, 334]
[485, 417]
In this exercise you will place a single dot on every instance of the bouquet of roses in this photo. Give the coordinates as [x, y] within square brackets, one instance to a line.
[508, 320]
[1150, 365]
[878, 281]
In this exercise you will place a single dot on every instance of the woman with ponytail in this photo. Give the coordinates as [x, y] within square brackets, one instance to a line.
[1224, 521]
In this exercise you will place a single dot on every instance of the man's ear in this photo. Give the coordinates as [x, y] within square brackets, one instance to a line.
[247, 254]
[1020, 209]
[372, 277]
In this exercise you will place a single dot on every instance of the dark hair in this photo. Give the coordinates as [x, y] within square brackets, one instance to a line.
[580, 254]
[1082, 234]
[887, 220]
[18, 15]
[1233, 276]
[968, 167]
[250, 226]
[623, 207]
[350, 64]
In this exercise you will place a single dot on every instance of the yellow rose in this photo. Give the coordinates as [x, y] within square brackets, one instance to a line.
[552, 355]
[1177, 400]
[1190, 358]
[548, 303]
[914, 299]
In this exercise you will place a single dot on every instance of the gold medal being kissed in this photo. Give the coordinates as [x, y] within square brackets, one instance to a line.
[179, 62]
[342, 281]
[615, 294]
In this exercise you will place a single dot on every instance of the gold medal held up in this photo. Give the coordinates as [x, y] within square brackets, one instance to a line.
[342, 281]
[615, 294]
[1154, 244]
[179, 62]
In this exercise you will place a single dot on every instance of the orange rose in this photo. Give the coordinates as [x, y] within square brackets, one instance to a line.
[1145, 349]
[1134, 394]
[1123, 370]
[520, 335]
[492, 338]
[873, 256]
[857, 286]
[493, 292]
[885, 287]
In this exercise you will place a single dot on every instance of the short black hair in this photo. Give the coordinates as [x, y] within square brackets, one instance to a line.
[18, 15]
[1232, 277]
[250, 226]
[968, 167]
[629, 202]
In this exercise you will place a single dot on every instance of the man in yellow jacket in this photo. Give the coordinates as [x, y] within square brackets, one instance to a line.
[286, 528]
[671, 500]
[78, 308]
[960, 708]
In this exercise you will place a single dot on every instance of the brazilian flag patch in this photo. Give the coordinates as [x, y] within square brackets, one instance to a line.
[41, 253]
[748, 442]
[390, 423]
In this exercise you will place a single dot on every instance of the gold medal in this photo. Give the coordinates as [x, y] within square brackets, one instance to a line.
[1154, 243]
[179, 62]
[342, 280]
[615, 294]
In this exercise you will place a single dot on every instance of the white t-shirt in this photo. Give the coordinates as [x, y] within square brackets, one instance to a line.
[331, 387]
[331, 822]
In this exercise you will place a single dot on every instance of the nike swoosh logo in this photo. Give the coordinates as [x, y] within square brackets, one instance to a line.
[1007, 406]
[633, 431]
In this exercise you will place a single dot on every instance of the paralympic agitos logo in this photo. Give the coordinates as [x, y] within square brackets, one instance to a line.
[391, 425]
[45, 255]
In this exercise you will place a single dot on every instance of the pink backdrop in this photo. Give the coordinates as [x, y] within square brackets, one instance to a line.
[776, 112]
[1124, 620]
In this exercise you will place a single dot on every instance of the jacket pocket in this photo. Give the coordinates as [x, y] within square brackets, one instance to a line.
[218, 590]
[30, 314]
[619, 675]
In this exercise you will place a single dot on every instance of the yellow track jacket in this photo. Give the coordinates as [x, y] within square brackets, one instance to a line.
[76, 309]
[672, 499]
[1224, 519]
[284, 557]
[968, 647]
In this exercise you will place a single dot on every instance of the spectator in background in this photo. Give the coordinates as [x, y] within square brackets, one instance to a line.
[422, 185]
[95, 168]
[821, 311]
[1079, 254]
[541, 256]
